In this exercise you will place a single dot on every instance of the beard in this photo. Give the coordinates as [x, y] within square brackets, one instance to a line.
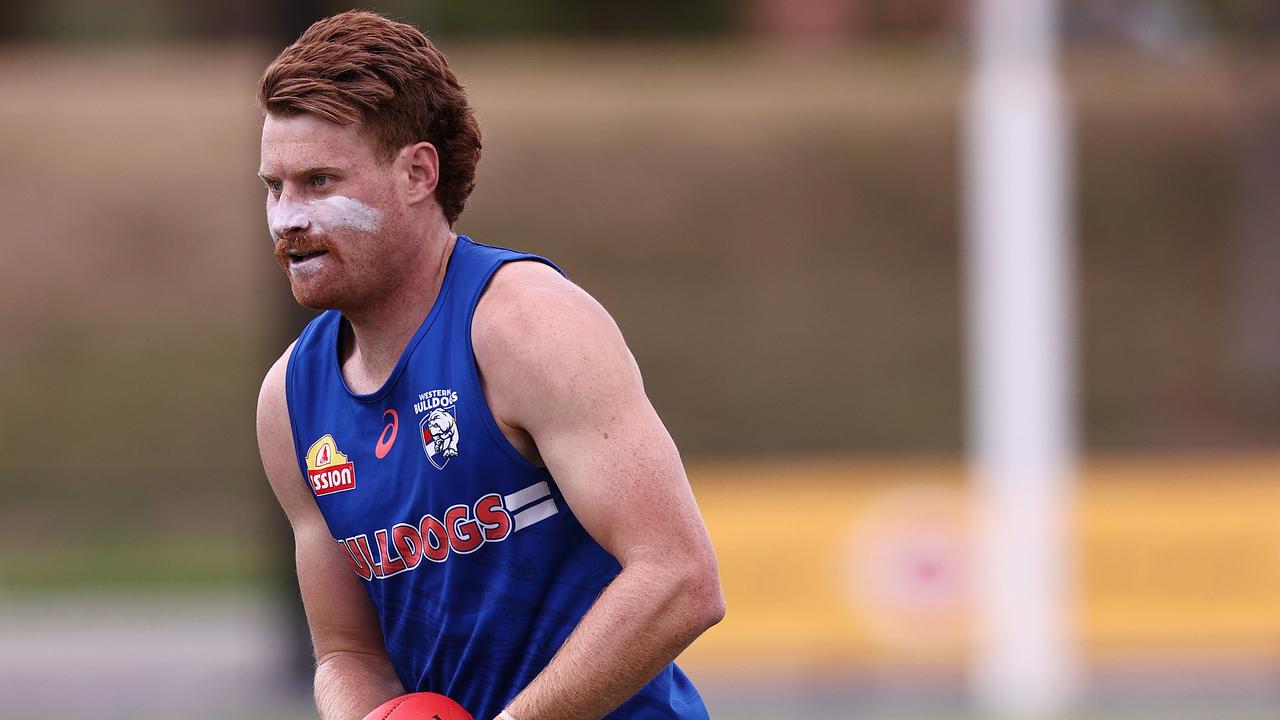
[301, 244]
[345, 281]
[302, 283]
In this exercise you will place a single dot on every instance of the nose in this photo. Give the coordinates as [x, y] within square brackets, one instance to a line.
[288, 216]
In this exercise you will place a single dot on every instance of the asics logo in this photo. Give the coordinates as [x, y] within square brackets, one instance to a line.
[388, 436]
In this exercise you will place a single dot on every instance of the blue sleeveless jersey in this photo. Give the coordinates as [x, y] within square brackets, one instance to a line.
[475, 564]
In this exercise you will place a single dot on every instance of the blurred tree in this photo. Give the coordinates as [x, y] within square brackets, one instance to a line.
[1255, 263]
[102, 21]
[657, 17]
[115, 20]
[615, 18]
[809, 20]
[11, 12]
[909, 17]
[1158, 26]
[1238, 16]
[291, 17]
[805, 21]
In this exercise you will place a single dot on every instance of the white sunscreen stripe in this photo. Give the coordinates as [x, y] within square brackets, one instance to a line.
[324, 214]
[349, 212]
[535, 514]
[520, 498]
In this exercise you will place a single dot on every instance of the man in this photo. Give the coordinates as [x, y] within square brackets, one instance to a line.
[484, 502]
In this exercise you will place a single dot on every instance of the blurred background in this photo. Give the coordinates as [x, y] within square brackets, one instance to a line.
[767, 194]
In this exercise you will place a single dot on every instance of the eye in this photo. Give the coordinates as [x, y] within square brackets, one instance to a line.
[275, 186]
[320, 180]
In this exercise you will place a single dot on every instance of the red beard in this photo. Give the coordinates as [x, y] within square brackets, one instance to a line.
[303, 244]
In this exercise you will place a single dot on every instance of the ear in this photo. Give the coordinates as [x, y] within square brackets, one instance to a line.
[421, 171]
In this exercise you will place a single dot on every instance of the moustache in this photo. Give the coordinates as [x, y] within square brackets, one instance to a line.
[299, 245]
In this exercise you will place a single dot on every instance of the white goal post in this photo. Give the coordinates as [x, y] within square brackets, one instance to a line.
[1020, 355]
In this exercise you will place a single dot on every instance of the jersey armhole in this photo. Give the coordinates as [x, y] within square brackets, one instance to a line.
[473, 367]
[290, 393]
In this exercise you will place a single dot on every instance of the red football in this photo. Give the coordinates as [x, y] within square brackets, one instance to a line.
[419, 706]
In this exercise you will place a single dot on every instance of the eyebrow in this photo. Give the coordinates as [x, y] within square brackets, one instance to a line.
[308, 172]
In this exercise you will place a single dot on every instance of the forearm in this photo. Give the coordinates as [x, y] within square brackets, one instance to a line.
[641, 622]
[349, 685]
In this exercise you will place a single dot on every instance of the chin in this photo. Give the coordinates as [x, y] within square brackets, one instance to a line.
[315, 298]
[331, 291]
[312, 290]
[312, 303]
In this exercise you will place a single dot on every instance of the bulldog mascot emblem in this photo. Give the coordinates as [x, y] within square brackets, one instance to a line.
[440, 437]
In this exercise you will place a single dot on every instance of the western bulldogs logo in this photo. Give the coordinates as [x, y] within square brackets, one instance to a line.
[439, 428]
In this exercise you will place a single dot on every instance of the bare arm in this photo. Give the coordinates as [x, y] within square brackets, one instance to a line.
[353, 674]
[555, 366]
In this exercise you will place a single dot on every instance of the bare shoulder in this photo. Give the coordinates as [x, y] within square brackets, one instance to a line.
[542, 343]
[273, 408]
[275, 442]
[526, 298]
[555, 366]
[530, 314]
[339, 614]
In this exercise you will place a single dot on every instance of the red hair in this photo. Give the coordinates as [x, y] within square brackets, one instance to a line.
[362, 67]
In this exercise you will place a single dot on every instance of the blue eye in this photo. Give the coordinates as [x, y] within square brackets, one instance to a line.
[320, 180]
[275, 186]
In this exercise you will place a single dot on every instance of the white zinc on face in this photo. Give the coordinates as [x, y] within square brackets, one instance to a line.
[334, 212]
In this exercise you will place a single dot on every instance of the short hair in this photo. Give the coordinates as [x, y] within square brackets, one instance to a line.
[362, 67]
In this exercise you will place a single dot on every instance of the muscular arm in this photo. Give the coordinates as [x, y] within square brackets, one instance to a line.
[555, 366]
[353, 674]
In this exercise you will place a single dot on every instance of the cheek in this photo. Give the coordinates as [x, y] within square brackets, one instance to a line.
[340, 212]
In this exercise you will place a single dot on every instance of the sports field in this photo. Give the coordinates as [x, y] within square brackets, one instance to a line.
[219, 657]
[777, 235]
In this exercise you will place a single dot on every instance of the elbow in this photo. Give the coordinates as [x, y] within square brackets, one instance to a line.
[714, 607]
[705, 597]
[683, 594]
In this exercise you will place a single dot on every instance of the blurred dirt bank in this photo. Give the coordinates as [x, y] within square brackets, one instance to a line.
[776, 233]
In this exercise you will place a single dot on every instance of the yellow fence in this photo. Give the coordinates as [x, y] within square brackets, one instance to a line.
[866, 562]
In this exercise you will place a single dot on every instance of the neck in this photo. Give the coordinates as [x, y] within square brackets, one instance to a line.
[381, 330]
